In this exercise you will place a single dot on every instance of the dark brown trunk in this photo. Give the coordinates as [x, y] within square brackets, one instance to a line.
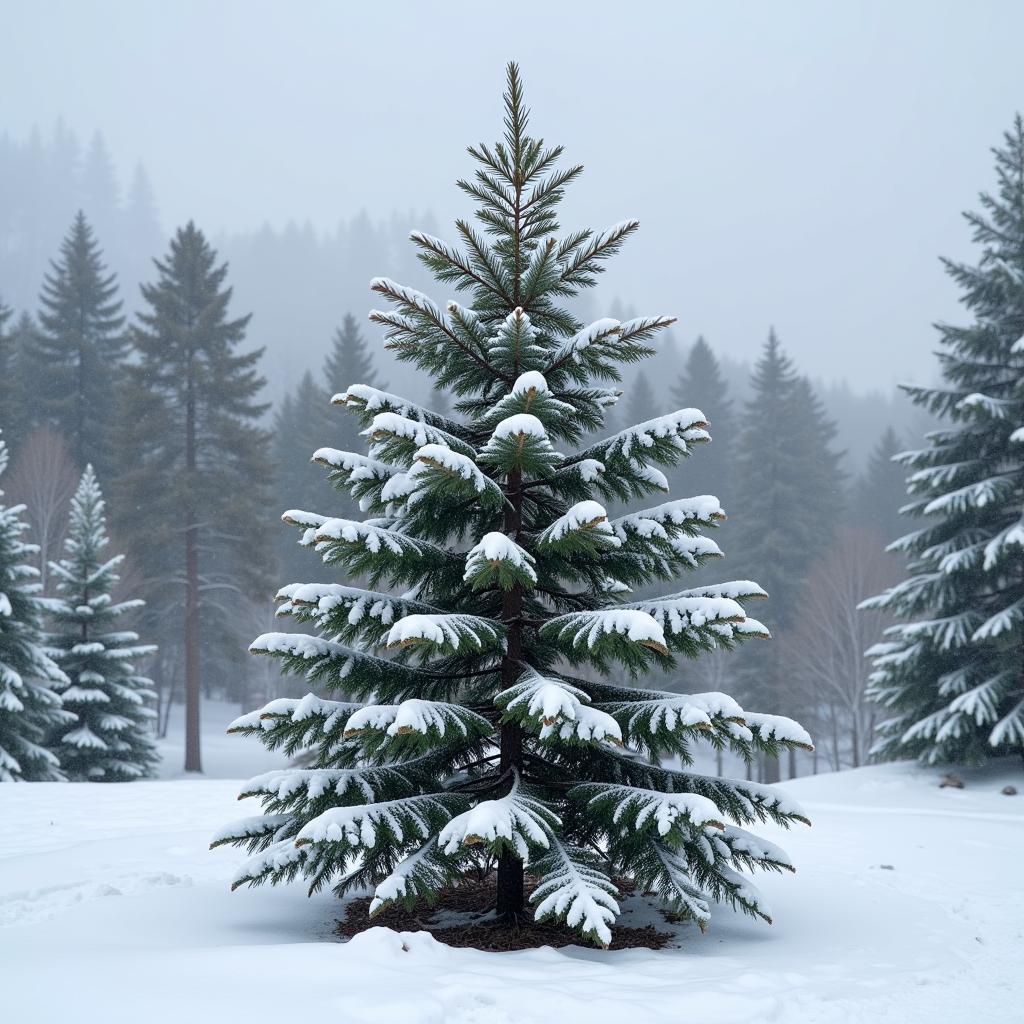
[193, 681]
[511, 899]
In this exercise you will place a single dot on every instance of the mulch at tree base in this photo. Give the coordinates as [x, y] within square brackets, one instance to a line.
[473, 900]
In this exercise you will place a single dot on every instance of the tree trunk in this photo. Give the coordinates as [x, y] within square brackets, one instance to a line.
[792, 763]
[771, 771]
[193, 682]
[511, 899]
[193, 761]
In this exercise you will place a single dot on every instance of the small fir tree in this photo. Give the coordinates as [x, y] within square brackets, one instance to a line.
[473, 730]
[112, 739]
[29, 707]
[82, 346]
[951, 674]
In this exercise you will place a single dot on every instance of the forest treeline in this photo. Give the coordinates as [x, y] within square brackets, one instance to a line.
[143, 359]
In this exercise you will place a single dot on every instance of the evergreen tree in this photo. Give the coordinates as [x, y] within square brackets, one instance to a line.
[82, 345]
[349, 358]
[788, 478]
[702, 379]
[950, 674]
[141, 234]
[101, 192]
[111, 740]
[300, 428]
[193, 493]
[881, 490]
[7, 362]
[640, 401]
[788, 488]
[29, 707]
[467, 739]
[26, 380]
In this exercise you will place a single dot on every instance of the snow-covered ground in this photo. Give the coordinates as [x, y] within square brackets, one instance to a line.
[223, 756]
[907, 906]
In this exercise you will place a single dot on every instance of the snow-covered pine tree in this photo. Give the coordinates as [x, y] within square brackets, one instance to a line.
[29, 707]
[951, 672]
[112, 738]
[469, 732]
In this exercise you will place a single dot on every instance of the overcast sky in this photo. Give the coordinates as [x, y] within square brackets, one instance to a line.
[795, 164]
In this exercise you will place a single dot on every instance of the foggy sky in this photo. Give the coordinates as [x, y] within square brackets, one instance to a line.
[795, 164]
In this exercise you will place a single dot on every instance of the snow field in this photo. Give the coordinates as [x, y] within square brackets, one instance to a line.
[906, 907]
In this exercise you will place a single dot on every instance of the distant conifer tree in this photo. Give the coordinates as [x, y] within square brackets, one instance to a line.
[194, 463]
[82, 345]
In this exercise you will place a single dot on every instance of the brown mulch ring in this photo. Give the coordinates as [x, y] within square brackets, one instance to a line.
[461, 918]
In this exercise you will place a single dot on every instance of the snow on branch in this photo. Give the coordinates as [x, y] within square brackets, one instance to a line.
[426, 717]
[679, 613]
[587, 629]
[389, 425]
[515, 821]
[421, 874]
[358, 467]
[780, 729]
[647, 809]
[370, 400]
[587, 517]
[686, 513]
[294, 709]
[573, 890]
[678, 430]
[359, 826]
[557, 710]
[449, 633]
[496, 557]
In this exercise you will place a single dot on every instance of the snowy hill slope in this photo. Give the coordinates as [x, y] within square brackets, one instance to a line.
[907, 906]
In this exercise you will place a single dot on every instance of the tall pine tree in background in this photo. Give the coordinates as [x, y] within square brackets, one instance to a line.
[193, 494]
[789, 491]
[29, 707]
[477, 743]
[82, 345]
[951, 674]
[112, 738]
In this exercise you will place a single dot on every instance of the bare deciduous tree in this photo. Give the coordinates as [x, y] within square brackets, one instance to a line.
[43, 477]
[826, 647]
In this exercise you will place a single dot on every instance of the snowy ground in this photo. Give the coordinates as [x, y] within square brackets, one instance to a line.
[224, 757]
[907, 906]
